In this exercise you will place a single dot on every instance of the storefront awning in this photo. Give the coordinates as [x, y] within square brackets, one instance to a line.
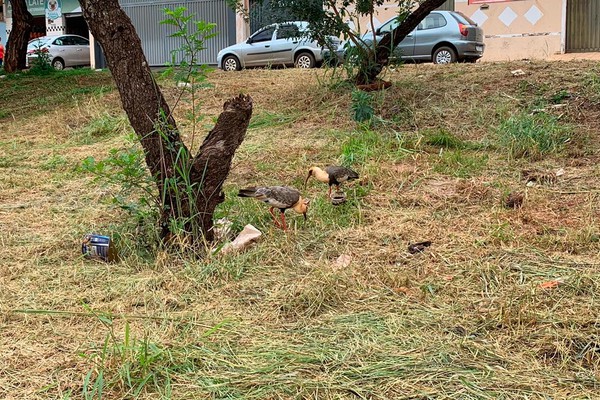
[38, 7]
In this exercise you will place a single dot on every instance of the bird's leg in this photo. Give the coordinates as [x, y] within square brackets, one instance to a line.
[284, 226]
[329, 194]
[274, 217]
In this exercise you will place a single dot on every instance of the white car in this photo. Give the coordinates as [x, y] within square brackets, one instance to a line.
[63, 51]
[276, 44]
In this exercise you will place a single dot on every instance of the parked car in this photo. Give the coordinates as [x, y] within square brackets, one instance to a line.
[442, 37]
[276, 44]
[63, 51]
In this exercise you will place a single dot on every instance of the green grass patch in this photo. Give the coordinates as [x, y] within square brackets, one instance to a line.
[461, 164]
[532, 136]
[54, 162]
[102, 127]
[443, 138]
[591, 83]
[366, 144]
[267, 119]
[33, 94]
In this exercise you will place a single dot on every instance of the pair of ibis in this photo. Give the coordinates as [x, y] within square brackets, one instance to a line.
[285, 197]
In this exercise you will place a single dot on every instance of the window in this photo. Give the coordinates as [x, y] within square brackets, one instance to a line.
[1, 10]
[80, 41]
[66, 41]
[388, 26]
[288, 31]
[463, 19]
[264, 35]
[432, 21]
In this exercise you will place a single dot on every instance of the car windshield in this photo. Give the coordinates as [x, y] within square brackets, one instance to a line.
[37, 43]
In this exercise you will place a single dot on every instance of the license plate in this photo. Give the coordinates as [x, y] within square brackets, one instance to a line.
[479, 48]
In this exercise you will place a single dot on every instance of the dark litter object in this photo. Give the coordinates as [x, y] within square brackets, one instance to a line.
[514, 200]
[418, 247]
[338, 198]
[99, 247]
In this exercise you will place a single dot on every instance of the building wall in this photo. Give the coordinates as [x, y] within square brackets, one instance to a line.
[156, 38]
[518, 29]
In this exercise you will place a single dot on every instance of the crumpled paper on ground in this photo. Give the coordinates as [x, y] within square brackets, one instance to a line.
[246, 237]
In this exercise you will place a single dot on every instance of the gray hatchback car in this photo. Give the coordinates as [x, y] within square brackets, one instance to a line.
[442, 37]
[275, 44]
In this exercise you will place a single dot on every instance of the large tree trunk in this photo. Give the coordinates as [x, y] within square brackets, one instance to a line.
[16, 47]
[167, 156]
[372, 68]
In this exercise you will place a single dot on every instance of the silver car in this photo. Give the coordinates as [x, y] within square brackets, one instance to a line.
[63, 51]
[442, 37]
[275, 44]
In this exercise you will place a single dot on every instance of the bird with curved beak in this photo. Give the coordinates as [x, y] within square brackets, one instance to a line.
[281, 197]
[332, 175]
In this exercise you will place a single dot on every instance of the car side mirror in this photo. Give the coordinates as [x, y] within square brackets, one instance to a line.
[378, 31]
[249, 41]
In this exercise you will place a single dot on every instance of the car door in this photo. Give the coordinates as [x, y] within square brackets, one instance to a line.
[63, 47]
[406, 46]
[81, 50]
[257, 50]
[286, 40]
[429, 33]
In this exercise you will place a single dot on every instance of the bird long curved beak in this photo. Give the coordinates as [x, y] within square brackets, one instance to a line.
[307, 178]
[304, 216]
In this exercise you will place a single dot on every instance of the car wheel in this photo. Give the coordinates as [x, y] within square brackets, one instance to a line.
[58, 64]
[444, 55]
[305, 60]
[231, 63]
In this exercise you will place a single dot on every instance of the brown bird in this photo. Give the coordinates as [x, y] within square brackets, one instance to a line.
[281, 197]
[332, 175]
[514, 200]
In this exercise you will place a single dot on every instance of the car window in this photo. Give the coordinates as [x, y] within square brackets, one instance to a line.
[288, 31]
[388, 26]
[264, 35]
[68, 41]
[432, 21]
[462, 18]
[80, 41]
[64, 41]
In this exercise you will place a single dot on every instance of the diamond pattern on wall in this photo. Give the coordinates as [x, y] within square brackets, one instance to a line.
[507, 16]
[533, 15]
[479, 17]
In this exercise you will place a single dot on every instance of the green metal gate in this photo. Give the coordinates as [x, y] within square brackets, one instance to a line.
[583, 26]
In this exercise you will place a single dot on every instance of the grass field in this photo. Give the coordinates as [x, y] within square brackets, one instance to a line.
[501, 306]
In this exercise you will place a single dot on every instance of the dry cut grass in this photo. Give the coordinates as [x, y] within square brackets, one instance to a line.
[472, 317]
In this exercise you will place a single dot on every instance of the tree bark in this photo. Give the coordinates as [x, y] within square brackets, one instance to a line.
[16, 47]
[371, 69]
[190, 188]
[213, 161]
